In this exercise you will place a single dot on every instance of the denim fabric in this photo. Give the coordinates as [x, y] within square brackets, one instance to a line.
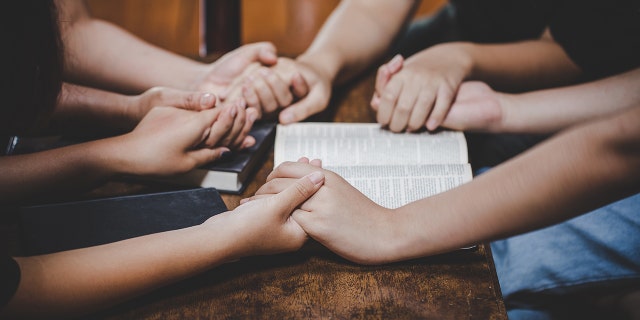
[599, 250]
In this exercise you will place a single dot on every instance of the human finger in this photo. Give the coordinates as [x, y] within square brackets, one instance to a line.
[422, 108]
[441, 107]
[244, 140]
[203, 156]
[388, 101]
[298, 192]
[218, 126]
[402, 110]
[291, 170]
[305, 107]
[279, 88]
[299, 86]
[265, 96]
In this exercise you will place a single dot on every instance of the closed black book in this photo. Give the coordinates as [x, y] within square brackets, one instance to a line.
[231, 173]
[73, 225]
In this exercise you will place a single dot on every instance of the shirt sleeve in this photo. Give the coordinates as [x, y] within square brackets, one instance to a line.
[601, 37]
[9, 277]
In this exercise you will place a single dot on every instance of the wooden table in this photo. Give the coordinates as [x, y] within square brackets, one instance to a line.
[315, 283]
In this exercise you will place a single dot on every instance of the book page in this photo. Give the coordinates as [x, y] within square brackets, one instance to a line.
[393, 186]
[342, 144]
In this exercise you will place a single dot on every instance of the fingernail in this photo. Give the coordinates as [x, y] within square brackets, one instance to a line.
[207, 100]
[233, 112]
[316, 177]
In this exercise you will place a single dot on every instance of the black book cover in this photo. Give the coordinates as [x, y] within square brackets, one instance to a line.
[238, 161]
[72, 225]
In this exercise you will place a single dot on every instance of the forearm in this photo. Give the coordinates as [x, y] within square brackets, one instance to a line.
[518, 66]
[95, 56]
[76, 282]
[554, 109]
[83, 108]
[578, 171]
[56, 171]
[356, 34]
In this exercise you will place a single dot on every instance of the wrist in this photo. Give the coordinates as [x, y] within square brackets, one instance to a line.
[464, 55]
[229, 226]
[508, 121]
[112, 156]
[325, 63]
[130, 111]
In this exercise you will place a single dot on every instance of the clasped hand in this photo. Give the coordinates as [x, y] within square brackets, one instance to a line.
[337, 215]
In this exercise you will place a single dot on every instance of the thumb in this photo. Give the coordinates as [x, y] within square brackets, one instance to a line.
[188, 100]
[301, 190]
[203, 156]
[311, 104]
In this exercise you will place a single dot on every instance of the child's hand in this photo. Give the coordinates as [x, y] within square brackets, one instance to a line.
[476, 108]
[170, 140]
[264, 225]
[339, 216]
[421, 90]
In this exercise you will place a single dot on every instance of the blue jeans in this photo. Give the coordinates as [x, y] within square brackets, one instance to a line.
[597, 251]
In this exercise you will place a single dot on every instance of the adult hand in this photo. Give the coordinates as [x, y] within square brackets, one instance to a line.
[311, 86]
[140, 105]
[269, 89]
[218, 76]
[170, 140]
[318, 85]
[422, 90]
[266, 224]
[477, 107]
[338, 216]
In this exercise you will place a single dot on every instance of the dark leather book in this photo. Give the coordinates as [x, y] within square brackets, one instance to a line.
[65, 226]
[230, 173]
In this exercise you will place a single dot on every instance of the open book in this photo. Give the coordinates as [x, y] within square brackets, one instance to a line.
[392, 169]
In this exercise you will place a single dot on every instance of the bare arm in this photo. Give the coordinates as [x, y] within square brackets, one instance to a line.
[96, 110]
[477, 107]
[356, 34]
[554, 109]
[100, 54]
[76, 282]
[167, 141]
[577, 171]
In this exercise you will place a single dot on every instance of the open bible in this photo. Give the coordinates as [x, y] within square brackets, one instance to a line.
[392, 169]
